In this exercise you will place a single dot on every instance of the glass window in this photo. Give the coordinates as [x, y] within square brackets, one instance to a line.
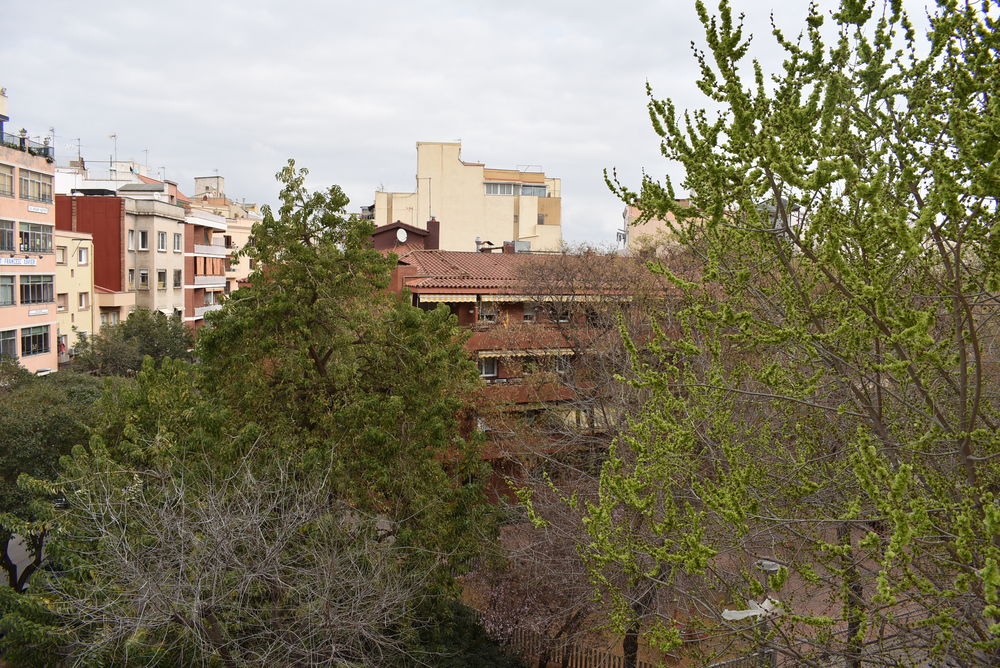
[6, 235]
[6, 180]
[502, 189]
[37, 289]
[131, 239]
[161, 241]
[488, 367]
[143, 240]
[8, 344]
[34, 340]
[541, 219]
[83, 256]
[62, 301]
[178, 242]
[35, 186]
[131, 278]
[84, 301]
[533, 191]
[161, 279]
[143, 279]
[6, 290]
[35, 238]
[60, 255]
[109, 318]
[177, 278]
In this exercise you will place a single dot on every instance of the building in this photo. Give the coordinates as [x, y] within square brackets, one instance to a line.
[649, 235]
[475, 202]
[240, 217]
[205, 259]
[76, 304]
[28, 322]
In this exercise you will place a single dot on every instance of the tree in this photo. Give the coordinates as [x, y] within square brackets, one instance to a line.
[118, 350]
[43, 418]
[830, 409]
[364, 385]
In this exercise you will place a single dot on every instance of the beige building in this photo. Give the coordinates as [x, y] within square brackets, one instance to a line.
[647, 236]
[210, 196]
[154, 247]
[76, 308]
[473, 201]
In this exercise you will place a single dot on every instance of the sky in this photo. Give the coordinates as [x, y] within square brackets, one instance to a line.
[236, 87]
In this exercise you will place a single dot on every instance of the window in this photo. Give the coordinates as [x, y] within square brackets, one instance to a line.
[161, 242]
[559, 313]
[6, 235]
[488, 367]
[62, 301]
[131, 239]
[34, 340]
[35, 186]
[6, 290]
[83, 256]
[502, 189]
[109, 318]
[529, 314]
[143, 240]
[178, 278]
[35, 238]
[541, 219]
[144, 279]
[562, 365]
[6, 180]
[161, 279]
[84, 301]
[60, 255]
[37, 289]
[131, 278]
[178, 242]
[8, 344]
[488, 313]
[229, 241]
[533, 191]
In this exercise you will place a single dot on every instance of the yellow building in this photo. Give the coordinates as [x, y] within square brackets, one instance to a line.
[76, 311]
[473, 201]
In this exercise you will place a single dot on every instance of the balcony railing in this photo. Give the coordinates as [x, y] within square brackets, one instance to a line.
[21, 142]
[200, 311]
[203, 279]
[210, 249]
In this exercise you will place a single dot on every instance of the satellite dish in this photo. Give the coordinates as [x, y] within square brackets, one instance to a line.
[401, 235]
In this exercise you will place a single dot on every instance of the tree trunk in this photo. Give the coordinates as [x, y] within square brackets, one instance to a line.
[852, 600]
[630, 647]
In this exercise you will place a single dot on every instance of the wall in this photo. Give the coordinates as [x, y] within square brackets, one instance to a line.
[104, 219]
[72, 279]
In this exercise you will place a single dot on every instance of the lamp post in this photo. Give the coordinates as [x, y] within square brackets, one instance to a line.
[767, 568]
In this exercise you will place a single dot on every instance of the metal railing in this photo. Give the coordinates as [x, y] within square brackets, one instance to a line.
[22, 142]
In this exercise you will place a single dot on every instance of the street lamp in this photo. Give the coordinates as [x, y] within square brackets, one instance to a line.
[766, 568]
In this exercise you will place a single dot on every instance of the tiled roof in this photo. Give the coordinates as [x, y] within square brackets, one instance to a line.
[460, 269]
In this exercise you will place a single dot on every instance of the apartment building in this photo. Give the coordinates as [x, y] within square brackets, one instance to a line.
[476, 202]
[205, 259]
[76, 305]
[28, 322]
[210, 196]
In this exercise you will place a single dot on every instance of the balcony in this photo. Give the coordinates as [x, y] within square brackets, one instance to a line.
[210, 280]
[200, 311]
[210, 249]
[21, 142]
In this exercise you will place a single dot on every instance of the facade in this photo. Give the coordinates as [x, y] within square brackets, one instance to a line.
[476, 203]
[210, 196]
[205, 257]
[76, 304]
[646, 236]
[28, 321]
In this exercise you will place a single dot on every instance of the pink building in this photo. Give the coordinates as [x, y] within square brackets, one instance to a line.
[27, 261]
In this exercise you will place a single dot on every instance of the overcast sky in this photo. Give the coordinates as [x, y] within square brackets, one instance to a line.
[348, 88]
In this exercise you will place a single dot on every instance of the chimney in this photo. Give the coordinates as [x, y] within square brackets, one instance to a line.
[433, 240]
[508, 247]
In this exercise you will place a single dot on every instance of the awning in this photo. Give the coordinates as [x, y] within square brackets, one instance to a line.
[530, 352]
[567, 299]
[424, 299]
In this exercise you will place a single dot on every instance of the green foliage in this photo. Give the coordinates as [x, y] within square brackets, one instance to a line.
[118, 350]
[831, 401]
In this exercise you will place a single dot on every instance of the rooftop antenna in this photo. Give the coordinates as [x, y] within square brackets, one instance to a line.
[145, 162]
[114, 163]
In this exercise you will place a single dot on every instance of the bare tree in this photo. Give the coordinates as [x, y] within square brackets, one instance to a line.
[242, 569]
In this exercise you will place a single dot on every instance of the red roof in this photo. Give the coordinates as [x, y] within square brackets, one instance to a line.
[465, 269]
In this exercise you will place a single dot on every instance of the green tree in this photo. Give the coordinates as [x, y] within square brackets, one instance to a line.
[42, 418]
[118, 350]
[830, 411]
[361, 383]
